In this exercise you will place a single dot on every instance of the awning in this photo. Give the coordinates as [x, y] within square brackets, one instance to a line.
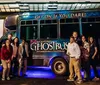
[45, 6]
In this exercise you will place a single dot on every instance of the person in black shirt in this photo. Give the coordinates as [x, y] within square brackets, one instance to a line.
[93, 54]
[15, 64]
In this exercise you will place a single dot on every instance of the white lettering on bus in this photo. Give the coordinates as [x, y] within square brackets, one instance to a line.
[33, 46]
[44, 46]
[58, 46]
[48, 46]
[38, 46]
[51, 45]
[65, 45]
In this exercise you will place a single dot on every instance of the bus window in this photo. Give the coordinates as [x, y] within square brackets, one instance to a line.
[35, 22]
[91, 29]
[62, 20]
[54, 21]
[23, 32]
[42, 22]
[28, 22]
[29, 32]
[67, 29]
[22, 22]
[84, 19]
[47, 21]
[48, 31]
[69, 20]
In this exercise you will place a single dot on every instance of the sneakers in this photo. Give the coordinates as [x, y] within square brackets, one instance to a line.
[79, 81]
[8, 78]
[3, 79]
[70, 79]
[95, 79]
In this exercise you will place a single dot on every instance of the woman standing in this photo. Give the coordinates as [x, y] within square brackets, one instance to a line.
[6, 54]
[93, 53]
[15, 55]
[85, 58]
[23, 54]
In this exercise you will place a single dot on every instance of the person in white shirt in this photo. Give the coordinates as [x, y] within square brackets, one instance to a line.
[74, 53]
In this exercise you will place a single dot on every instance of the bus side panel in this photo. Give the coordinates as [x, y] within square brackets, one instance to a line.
[43, 51]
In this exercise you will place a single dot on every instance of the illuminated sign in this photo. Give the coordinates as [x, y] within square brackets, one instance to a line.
[55, 15]
[59, 15]
[48, 46]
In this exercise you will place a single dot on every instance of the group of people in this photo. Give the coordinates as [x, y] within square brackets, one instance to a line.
[13, 57]
[82, 54]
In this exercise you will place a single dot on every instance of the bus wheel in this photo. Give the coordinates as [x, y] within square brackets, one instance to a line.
[59, 66]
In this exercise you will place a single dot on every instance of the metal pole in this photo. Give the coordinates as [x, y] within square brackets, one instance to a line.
[58, 28]
[38, 29]
[80, 26]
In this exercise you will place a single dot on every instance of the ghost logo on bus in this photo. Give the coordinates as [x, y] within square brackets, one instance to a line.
[48, 46]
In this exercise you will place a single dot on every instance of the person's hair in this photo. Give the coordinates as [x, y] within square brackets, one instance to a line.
[74, 32]
[5, 42]
[84, 37]
[17, 42]
[94, 42]
[23, 39]
[10, 34]
[71, 37]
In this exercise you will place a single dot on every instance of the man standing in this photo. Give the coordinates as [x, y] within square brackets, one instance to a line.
[74, 53]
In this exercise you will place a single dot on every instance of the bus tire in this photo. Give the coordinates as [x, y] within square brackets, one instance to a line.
[59, 66]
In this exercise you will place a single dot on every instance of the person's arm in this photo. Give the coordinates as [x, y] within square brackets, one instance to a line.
[68, 52]
[78, 52]
[20, 54]
[20, 51]
[96, 50]
[27, 51]
[11, 52]
[2, 53]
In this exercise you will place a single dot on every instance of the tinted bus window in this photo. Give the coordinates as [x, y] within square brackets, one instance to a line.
[67, 30]
[48, 31]
[22, 22]
[91, 29]
[23, 32]
[35, 22]
[28, 32]
[28, 22]
[47, 21]
[32, 32]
